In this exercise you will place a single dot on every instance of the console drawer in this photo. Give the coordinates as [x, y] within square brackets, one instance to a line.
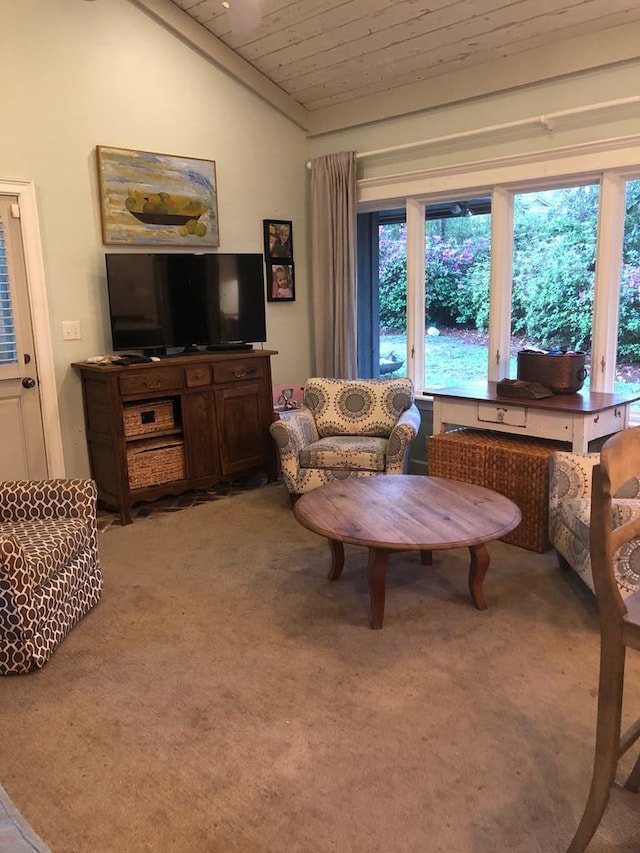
[240, 368]
[498, 414]
[143, 381]
[609, 420]
[195, 377]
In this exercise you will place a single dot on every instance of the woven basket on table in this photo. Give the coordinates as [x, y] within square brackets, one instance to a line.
[155, 460]
[516, 467]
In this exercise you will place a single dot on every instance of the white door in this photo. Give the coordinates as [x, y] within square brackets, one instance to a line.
[22, 445]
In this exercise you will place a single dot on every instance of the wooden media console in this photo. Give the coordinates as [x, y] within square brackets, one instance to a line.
[188, 422]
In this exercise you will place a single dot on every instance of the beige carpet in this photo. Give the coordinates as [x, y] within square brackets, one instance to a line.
[224, 696]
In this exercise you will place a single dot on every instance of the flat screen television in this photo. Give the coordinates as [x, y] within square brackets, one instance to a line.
[161, 302]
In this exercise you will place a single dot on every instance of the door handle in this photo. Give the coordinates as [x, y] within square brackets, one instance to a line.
[28, 382]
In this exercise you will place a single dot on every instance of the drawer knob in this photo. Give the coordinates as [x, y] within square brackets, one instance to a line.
[151, 384]
[244, 371]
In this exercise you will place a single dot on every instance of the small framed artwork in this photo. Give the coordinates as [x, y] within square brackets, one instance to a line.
[281, 285]
[157, 199]
[278, 239]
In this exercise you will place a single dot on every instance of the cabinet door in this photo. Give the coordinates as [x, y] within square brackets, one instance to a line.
[199, 426]
[243, 427]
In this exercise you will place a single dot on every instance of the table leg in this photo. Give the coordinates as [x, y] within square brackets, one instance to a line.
[477, 571]
[377, 573]
[426, 558]
[337, 559]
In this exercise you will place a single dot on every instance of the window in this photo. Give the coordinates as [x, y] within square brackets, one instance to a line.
[542, 262]
[457, 277]
[554, 251]
[382, 294]
[456, 291]
[627, 376]
[8, 351]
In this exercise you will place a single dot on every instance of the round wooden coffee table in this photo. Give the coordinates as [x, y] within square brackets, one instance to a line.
[407, 512]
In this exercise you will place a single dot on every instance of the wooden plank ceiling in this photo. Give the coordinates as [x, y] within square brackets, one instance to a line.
[338, 57]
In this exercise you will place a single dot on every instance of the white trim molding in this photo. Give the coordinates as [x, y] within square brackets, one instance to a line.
[32, 245]
[606, 307]
[591, 158]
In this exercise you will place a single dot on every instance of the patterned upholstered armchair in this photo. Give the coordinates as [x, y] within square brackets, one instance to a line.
[49, 568]
[346, 428]
[570, 478]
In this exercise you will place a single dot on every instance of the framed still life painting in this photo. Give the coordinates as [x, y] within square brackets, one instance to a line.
[157, 199]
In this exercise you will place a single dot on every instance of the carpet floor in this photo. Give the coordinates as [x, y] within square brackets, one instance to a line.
[225, 697]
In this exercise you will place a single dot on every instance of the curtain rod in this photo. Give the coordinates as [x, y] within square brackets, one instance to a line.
[547, 121]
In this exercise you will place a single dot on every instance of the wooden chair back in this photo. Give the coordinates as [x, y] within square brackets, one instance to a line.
[614, 532]
[619, 463]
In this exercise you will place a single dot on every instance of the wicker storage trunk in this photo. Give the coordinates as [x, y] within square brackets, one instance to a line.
[517, 468]
[152, 461]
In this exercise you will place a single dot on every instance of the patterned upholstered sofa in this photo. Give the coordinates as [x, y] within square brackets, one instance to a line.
[49, 568]
[346, 428]
[570, 477]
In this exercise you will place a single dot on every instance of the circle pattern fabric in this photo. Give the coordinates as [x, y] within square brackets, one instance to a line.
[354, 403]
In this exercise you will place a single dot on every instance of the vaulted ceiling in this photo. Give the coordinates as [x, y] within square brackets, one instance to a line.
[332, 64]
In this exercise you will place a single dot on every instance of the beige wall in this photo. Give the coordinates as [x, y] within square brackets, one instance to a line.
[80, 74]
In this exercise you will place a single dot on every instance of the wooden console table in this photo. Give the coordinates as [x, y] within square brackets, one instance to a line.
[574, 418]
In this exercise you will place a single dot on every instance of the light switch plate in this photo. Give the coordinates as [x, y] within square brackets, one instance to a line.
[71, 330]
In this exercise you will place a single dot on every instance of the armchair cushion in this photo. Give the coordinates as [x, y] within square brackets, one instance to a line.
[569, 518]
[345, 451]
[49, 569]
[575, 514]
[48, 544]
[357, 407]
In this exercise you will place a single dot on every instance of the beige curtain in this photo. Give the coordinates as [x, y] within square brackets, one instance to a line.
[333, 264]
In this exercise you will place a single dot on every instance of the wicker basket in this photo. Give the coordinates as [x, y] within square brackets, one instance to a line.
[155, 460]
[147, 418]
[517, 468]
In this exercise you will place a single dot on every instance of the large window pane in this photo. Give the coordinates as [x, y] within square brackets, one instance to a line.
[457, 273]
[8, 352]
[627, 379]
[392, 237]
[554, 250]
